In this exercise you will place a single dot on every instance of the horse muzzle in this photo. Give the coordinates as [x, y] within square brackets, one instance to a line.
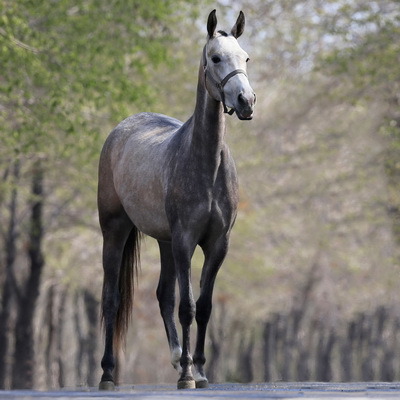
[245, 106]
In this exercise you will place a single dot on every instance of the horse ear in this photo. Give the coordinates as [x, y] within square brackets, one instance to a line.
[238, 28]
[212, 23]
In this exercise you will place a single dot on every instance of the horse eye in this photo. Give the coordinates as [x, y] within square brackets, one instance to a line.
[215, 59]
[248, 59]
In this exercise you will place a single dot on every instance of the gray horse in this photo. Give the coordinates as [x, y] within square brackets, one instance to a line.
[177, 183]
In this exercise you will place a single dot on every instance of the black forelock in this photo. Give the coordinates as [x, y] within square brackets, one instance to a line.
[223, 33]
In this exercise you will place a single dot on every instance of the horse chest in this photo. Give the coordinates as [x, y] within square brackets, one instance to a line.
[202, 204]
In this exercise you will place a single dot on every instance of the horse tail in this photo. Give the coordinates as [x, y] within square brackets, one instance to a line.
[129, 271]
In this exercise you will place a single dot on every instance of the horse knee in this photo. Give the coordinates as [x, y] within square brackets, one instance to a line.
[166, 302]
[187, 311]
[166, 311]
[203, 312]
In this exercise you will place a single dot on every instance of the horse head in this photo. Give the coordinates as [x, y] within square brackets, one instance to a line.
[225, 63]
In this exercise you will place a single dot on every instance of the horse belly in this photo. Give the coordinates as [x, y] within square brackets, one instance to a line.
[144, 204]
[150, 219]
[138, 169]
[140, 190]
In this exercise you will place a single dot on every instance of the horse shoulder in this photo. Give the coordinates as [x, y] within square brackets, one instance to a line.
[227, 175]
[225, 196]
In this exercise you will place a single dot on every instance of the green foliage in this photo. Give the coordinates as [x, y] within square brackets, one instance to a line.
[368, 60]
[68, 66]
[373, 63]
[70, 71]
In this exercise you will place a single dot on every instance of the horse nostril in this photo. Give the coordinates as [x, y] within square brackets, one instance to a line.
[242, 100]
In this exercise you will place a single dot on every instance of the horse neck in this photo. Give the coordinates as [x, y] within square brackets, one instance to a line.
[208, 125]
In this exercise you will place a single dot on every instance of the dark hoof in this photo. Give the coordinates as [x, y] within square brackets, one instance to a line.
[107, 385]
[202, 384]
[186, 384]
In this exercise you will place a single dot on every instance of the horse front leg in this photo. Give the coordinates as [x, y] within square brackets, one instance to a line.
[187, 308]
[214, 254]
[166, 299]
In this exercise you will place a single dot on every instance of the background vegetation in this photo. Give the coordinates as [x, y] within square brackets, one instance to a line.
[309, 289]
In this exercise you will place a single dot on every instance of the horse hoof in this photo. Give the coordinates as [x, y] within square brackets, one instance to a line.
[202, 384]
[188, 384]
[107, 385]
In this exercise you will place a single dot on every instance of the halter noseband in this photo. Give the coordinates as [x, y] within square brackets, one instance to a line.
[220, 85]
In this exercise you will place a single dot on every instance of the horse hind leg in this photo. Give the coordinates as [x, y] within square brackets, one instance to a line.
[117, 235]
[166, 299]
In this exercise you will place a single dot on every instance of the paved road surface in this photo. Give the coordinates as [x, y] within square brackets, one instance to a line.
[235, 391]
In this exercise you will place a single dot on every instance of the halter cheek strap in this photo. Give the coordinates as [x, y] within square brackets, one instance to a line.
[220, 85]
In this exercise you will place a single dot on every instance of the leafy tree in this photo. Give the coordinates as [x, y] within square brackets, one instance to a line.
[69, 69]
[368, 60]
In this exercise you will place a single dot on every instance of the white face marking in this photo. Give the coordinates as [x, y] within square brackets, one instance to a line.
[224, 55]
[231, 55]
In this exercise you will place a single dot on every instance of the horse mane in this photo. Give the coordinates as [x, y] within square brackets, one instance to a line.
[223, 33]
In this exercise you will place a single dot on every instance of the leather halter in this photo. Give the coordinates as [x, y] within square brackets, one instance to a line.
[220, 85]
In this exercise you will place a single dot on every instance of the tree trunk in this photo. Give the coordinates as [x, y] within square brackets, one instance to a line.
[23, 368]
[80, 338]
[9, 281]
[92, 306]
[268, 349]
[245, 359]
[60, 337]
[216, 333]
